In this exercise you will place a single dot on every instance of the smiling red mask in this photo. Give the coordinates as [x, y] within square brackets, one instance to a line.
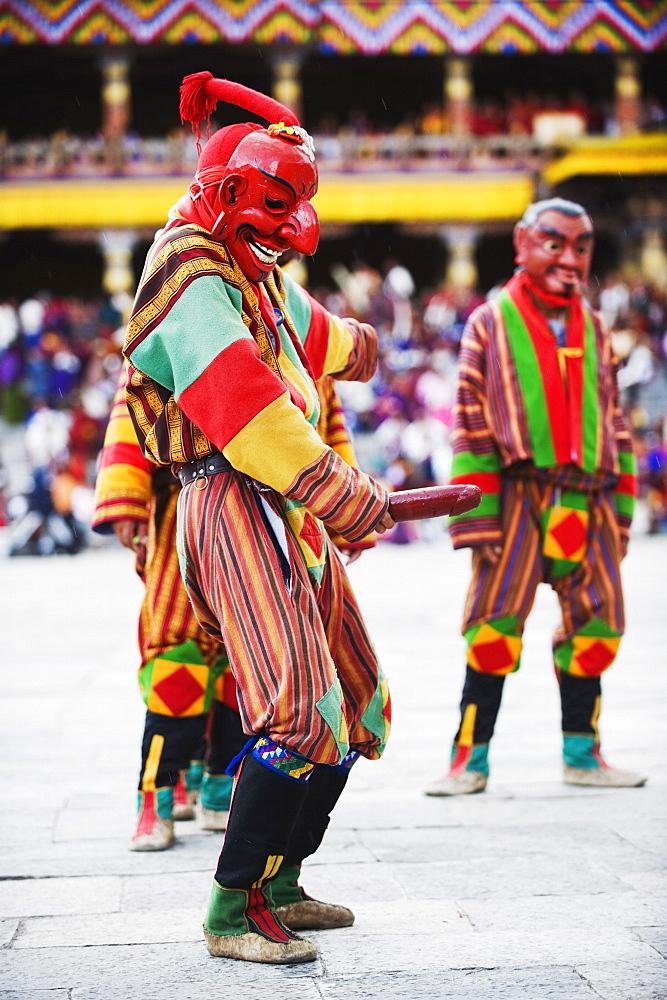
[253, 187]
[264, 203]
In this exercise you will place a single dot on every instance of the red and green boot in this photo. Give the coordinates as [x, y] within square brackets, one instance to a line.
[241, 924]
[155, 827]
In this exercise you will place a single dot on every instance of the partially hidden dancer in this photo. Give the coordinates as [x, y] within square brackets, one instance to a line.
[224, 351]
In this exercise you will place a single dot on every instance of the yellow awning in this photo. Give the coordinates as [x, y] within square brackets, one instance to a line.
[474, 197]
[630, 155]
[355, 198]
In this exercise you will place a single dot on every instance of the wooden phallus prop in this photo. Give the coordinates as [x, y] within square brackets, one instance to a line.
[433, 501]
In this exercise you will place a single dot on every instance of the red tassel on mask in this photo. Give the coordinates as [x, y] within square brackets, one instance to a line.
[200, 92]
[196, 105]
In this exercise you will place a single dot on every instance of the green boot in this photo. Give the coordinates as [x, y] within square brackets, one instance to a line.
[299, 911]
[294, 906]
[583, 764]
[193, 777]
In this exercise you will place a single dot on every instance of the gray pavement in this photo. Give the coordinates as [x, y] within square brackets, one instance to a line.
[532, 890]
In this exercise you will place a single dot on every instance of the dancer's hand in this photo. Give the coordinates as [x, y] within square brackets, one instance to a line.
[352, 555]
[386, 524]
[132, 534]
[490, 553]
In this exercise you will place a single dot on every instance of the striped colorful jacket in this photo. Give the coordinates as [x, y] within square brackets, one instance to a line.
[521, 399]
[218, 363]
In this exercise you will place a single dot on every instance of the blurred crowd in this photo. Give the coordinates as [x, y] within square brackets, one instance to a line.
[516, 130]
[60, 358]
[511, 113]
[59, 364]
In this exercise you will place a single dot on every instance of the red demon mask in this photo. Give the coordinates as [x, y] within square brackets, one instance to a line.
[253, 185]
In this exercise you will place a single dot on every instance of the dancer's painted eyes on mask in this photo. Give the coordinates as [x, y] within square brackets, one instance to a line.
[275, 205]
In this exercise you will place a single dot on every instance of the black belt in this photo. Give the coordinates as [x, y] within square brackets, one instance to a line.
[211, 465]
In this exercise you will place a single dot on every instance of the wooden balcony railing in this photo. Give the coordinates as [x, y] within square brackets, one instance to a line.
[65, 156]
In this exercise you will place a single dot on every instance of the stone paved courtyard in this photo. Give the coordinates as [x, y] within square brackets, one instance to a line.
[532, 890]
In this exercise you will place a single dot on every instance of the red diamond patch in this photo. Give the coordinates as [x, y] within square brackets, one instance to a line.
[179, 690]
[570, 534]
[312, 534]
[493, 657]
[595, 660]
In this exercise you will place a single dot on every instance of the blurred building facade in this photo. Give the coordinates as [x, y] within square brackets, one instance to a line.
[436, 123]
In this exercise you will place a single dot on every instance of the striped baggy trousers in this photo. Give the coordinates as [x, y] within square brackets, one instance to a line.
[306, 671]
[499, 601]
[589, 594]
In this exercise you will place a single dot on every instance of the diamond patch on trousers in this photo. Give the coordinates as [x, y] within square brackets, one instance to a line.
[493, 656]
[595, 656]
[492, 651]
[566, 532]
[570, 534]
[179, 690]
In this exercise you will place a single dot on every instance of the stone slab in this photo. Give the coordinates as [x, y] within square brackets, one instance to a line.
[410, 917]
[648, 882]
[289, 989]
[540, 873]
[552, 912]
[197, 852]
[34, 995]
[627, 980]
[655, 936]
[8, 931]
[515, 948]
[128, 968]
[90, 824]
[550, 983]
[36, 818]
[437, 843]
[158, 893]
[41, 897]
[549, 804]
[138, 927]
